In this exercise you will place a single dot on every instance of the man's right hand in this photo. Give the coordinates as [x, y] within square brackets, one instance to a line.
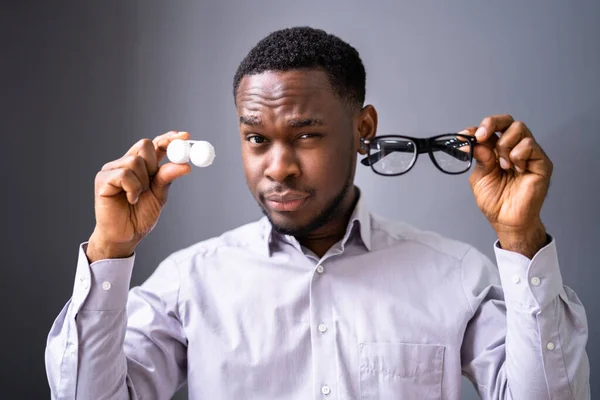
[129, 196]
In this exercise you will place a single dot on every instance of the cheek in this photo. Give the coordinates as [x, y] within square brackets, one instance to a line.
[329, 168]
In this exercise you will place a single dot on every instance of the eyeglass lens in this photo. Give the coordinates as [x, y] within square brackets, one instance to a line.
[452, 153]
[393, 156]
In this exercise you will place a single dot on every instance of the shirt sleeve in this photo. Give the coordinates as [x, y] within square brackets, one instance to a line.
[526, 338]
[112, 343]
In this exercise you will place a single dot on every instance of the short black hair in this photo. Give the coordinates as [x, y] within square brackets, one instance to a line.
[308, 48]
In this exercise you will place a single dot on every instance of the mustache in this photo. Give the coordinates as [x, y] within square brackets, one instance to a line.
[279, 188]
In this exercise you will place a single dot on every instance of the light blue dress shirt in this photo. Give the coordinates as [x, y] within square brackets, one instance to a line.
[390, 312]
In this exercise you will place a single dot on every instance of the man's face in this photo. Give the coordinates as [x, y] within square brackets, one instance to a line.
[299, 147]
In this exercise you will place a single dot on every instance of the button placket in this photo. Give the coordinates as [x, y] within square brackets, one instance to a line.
[323, 345]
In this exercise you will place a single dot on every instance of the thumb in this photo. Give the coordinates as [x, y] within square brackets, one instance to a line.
[486, 161]
[165, 176]
[484, 155]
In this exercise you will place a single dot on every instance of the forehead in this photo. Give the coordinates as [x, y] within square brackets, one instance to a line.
[298, 92]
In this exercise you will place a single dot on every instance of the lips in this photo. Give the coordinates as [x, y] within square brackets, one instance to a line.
[286, 201]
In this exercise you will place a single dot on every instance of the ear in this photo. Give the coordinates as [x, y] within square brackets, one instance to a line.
[366, 127]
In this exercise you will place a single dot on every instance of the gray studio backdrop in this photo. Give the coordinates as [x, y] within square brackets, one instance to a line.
[81, 82]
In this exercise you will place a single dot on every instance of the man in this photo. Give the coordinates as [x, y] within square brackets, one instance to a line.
[320, 299]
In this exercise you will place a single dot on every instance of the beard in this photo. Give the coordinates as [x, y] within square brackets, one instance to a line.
[331, 210]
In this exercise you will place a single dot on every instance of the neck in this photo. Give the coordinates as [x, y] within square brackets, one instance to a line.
[321, 240]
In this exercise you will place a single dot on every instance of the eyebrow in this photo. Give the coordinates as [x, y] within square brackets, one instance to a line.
[251, 121]
[304, 122]
[294, 123]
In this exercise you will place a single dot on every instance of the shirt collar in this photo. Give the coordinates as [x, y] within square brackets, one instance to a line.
[360, 217]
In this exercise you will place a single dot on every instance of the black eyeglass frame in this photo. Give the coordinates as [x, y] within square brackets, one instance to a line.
[423, 145]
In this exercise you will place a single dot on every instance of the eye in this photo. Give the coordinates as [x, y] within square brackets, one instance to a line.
[255, 139]
[309, 136]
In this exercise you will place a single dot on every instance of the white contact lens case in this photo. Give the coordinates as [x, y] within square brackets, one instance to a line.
[199, 152]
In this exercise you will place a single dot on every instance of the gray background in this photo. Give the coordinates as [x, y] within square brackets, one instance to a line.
[81, 82]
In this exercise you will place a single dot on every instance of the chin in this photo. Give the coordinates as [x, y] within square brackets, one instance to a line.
[287, 224]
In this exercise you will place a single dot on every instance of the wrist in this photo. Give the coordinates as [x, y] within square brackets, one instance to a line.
[99, 248]
[526, 241]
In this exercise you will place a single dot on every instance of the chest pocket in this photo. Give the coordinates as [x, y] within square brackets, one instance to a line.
[401, 371]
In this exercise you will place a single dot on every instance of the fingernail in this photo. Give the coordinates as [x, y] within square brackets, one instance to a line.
[464, 132]
[519, 169]
[504, 164]
[480, 133]
[181, 133]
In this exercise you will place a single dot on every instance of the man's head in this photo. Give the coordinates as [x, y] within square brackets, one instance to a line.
[299, 94]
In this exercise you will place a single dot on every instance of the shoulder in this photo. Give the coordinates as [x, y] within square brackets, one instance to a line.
[389, 233]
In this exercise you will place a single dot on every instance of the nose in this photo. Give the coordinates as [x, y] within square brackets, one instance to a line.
[283, 164]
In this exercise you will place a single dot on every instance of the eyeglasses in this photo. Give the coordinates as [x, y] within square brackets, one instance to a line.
[392, 155]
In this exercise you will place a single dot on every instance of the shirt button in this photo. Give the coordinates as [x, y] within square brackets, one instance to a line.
[106, 285]
[86, 284]
[325, 390]
[535, 281]
[516, 279]
[322, 328]
[320, 269]
[550, 346]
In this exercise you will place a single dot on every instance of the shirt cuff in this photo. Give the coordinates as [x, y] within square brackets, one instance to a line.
[530, 283]
[103, 285]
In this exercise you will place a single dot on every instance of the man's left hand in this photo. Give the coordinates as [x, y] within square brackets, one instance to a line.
[510, 182]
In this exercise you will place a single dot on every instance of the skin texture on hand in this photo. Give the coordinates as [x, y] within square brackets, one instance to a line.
[510, 182]
[129, 196]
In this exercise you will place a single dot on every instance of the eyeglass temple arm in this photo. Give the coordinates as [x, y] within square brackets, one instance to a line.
[423, 148]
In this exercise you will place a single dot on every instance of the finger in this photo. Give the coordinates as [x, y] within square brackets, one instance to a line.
[136, 164]
[133, 150]
[148, 154]
[115, 181]
[490, 125]
[516, 132]
[161, 142]
[483, 153]
[528, 156]
[145, 149]
[485, 158]
[165, 176]
[471, 131]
